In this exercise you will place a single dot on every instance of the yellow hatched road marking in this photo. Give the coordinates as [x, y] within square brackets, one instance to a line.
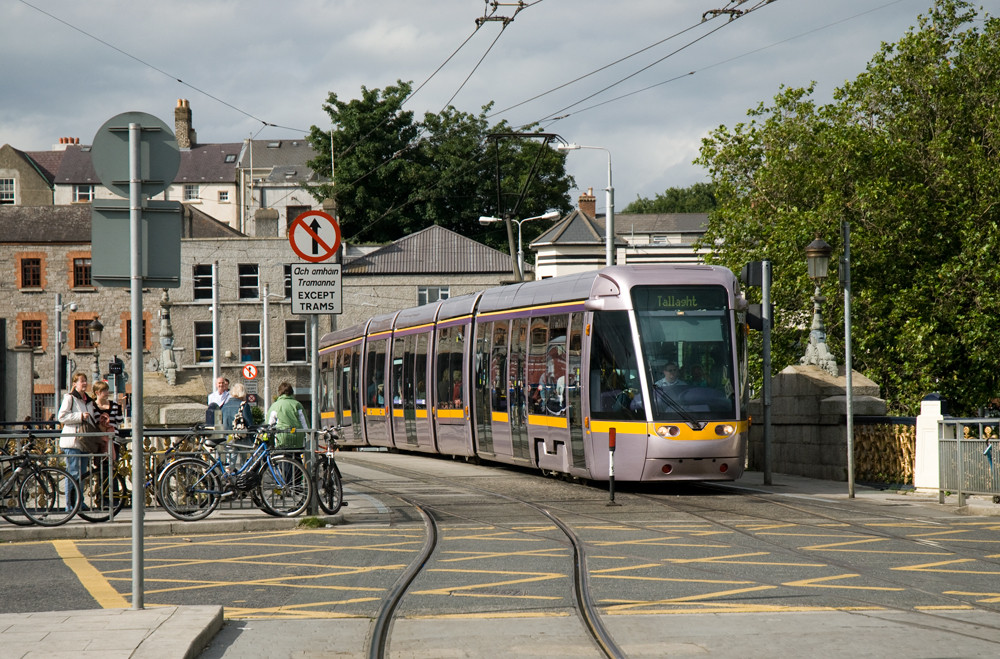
[90, 577]
[841, 546]
[529, 577]
[815, 583]
[936, 567]
[552, 552]
[989, 598]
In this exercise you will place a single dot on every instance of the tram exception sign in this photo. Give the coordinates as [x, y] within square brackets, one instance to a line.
[314, 236]
[316, 288]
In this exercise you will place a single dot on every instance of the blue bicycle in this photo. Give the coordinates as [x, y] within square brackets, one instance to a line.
[192, 488]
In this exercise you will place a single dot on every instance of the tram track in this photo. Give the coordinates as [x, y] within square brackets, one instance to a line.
[587, 610]
[933, 619]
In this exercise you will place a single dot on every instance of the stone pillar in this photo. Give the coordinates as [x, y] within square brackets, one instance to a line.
[926, 460]
[20, 383]
[168, 364]
[808, 422]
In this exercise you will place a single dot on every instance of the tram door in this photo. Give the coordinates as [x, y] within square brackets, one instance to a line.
[516, 384]
[404, 413]
[485, 389]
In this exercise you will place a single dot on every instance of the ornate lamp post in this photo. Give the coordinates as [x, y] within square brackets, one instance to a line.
[817, 352]
[96, 328]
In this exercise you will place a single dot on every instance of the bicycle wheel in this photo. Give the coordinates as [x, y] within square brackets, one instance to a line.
[96, 506]
[189, 489]
[10, 505]
[329, 486]
[285, 487]
[49, 496]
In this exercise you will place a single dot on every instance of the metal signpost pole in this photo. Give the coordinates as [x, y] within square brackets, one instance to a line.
[135, 222]
[845, 278]
[765, 288]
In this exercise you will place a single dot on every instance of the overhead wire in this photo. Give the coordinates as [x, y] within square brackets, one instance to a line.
[733, 18]
[158, 70]
[725, 61]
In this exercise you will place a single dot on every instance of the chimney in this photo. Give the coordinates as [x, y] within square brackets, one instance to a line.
[183, 132]
[588, 203]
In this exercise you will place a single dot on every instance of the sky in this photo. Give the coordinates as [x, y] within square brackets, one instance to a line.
[253, 68]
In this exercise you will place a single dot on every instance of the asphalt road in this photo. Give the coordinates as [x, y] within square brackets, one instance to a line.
[689, 569]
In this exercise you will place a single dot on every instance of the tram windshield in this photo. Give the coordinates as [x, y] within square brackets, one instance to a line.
[685, 340]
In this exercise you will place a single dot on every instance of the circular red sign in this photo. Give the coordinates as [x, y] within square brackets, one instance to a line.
[315, 241]
[249, 371]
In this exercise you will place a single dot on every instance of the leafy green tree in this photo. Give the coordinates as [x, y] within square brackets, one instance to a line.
[699, 198]
[395, 176]
[909, 155]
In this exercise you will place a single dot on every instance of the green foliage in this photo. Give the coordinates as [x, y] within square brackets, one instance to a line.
[258, 415]
[699, 198]
[909, 155]
[395, 176]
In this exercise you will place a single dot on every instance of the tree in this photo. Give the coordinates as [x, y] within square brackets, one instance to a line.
[699, 198]
[395, 176]
[909, 155]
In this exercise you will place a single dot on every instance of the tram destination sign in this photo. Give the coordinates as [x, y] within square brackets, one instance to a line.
[316, 288]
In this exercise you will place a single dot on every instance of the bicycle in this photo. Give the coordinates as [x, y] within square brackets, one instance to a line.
[326, 475]
[46, 494]
[98, 479]
[191, 488]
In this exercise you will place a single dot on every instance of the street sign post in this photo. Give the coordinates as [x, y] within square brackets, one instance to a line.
[316, 288]
[314, 236]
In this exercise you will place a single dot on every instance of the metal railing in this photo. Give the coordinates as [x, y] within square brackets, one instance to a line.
[968, 456]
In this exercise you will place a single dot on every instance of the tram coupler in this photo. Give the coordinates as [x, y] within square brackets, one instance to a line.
[611, 468]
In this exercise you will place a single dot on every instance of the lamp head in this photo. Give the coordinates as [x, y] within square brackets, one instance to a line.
[567, 147]
[484, 220]
[95, 327]
[72, 306]
[818, 258]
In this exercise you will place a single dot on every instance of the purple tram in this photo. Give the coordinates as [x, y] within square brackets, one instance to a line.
[542, 374]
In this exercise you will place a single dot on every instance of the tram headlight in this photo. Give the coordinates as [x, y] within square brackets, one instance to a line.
[725, 429]
[666, 432]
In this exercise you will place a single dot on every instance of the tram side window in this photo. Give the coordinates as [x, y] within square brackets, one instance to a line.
[375, 375]
[614, 375]
[420, 368]
[398, 352]
[449, 368]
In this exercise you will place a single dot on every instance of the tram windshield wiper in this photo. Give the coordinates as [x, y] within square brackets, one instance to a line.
[680, 409]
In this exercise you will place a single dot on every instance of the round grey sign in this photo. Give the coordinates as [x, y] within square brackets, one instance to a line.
[159, 157]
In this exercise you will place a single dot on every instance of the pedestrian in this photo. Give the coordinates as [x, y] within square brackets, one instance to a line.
[288, 414]
[107, 410]
[237, 408]
[221, 393]
[77, 415]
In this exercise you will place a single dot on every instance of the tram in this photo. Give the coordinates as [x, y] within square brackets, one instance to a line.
[544, 374]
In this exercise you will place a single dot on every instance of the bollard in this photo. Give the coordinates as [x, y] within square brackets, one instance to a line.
[611, 467]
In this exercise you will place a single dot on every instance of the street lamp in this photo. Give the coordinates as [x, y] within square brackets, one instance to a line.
[818, 265]
[609, 228]
[551, 215]
[95, 328]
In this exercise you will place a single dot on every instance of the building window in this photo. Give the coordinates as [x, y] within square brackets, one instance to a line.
[427, 294]
[81, 272]
[191, 192]
[249, 280]
[293, 212]
[203, 282]
[249, 340]
[31, 333]
[223, 196]
[295, 340]
[81, 334]
[83, 193]
[128, 334]
[288, 281]
[42, 406]
[31, 272]
[203, 341]
[7, 191]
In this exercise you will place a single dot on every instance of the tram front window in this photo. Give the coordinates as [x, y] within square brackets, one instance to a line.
[685, 338]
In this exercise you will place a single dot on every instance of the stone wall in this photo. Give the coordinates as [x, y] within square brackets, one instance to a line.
[808, 422]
